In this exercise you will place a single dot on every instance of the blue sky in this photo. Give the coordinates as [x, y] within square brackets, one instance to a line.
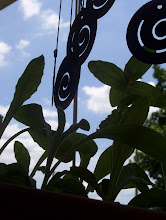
[28, 29]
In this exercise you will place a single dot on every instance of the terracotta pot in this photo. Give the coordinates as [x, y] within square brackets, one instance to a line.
[25, 203]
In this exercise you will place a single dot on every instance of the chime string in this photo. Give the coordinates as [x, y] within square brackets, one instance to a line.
[56, 50]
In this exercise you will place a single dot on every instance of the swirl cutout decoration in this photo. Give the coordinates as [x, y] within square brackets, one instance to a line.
[79, 45]
[146, 33]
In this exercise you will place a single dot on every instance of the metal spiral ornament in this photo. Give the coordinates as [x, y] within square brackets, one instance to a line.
[146, 33]
[79, 45]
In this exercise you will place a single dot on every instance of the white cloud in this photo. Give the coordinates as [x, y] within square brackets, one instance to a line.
[4, 50]
[49, 113]
[46, 101]
[30, 8]
[98, 100]
[34, 150]
[50, 20]
[3, 110]
[22, 44]
[53, 124]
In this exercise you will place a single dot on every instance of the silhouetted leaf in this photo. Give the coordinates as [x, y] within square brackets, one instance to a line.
[89, 148]
[116, 95]
[108, 73]
[31, 115]
[22, 155]
[55, 179]
[150, 199]
[61, 120]
[130, 174]
[143, 89]
[137, 113]
[84, 125]
[69, 185]
[84, 174]
[14, 174]
[26, 86]
[112, 119]
[87, 176]
[104, 165]
[38, 164]
[134, 69]
[136, 136]
[40, 137]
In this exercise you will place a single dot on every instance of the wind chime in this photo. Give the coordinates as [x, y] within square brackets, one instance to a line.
[146, 33]
[146, 39]
[80, 42]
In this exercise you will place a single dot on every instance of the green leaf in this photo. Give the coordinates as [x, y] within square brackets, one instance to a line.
[108, 73]
[125, 102]
[116, 94]
[84, 174]
[87, 176]
[26, 86]
[22, 155]
[120, 153]
[143, 89]
[136, 136]
[29, 81]
[104, 165]
[84, 125]
[112, 119]
[40, 137]
[131, 174]
[31, 115]
[150, 199]
[137, 113]
[89, 148]
[69, 185]
[61, 120]
[14, 174]
[134, 69]
[86, 151]
[55, 179]
[40, 161]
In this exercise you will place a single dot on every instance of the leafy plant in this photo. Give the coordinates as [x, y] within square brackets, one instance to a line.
[125, 126]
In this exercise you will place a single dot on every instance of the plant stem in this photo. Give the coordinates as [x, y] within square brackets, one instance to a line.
[12, 138]
[48, 175]
[40, 161]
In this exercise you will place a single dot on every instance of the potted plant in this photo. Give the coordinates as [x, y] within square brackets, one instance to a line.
[64, 193]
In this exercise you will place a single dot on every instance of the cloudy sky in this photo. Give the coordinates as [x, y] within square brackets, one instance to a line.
[29, 29]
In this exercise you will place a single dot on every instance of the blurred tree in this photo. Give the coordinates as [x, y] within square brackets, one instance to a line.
[157, 121]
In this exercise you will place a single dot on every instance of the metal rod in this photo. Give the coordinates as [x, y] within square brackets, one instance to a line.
[75, 104]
